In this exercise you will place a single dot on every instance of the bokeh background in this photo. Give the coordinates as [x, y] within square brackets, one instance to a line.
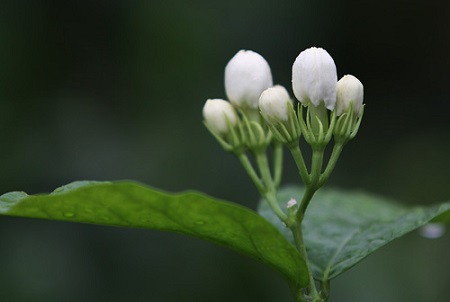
[109, 90]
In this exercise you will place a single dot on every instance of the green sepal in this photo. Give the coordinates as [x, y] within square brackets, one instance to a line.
[316, 130]
[255, 136]
[234, 140]
[347, 125]
[287, 132]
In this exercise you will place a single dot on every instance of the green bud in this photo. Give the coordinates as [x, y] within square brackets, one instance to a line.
[254, 135]
[347, 125]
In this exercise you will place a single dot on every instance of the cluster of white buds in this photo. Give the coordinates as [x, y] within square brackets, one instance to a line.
[334, 109]
[315, 85]
[250, 91]
[247, 75]
[314, 82]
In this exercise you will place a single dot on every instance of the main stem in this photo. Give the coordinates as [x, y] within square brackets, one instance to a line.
[267, 186]
[297, 232]
[312, 184]
[298, 238]
[314, 181]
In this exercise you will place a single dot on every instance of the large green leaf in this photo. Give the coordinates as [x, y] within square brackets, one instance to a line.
[341, 228]
[129, 204]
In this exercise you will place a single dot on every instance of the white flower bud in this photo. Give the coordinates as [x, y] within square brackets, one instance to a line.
[273, 103]
[314, 78]
[349, 90]
[292, 202]
[216, 112]
[247, 75]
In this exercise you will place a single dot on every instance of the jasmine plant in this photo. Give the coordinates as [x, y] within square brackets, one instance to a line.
[333, 110]
[306, 233]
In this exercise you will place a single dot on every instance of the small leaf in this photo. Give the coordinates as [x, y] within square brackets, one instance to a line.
[128, 204]
[342, 228]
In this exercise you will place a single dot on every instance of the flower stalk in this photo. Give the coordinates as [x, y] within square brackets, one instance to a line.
[334, 111]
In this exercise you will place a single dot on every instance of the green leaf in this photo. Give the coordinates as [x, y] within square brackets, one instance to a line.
[128, 204]
[342, 228]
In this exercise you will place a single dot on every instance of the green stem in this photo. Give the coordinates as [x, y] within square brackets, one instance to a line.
[277, 163]
[298, 295]
[243, 158]
[297, 232]
[325, 290]
[296, 228]
[337, 149]
[298, 238]
[307, 197]
[270, 192]
[264, 170]
[273, 202]
[316, 165]
[300, 162]
[314, 181]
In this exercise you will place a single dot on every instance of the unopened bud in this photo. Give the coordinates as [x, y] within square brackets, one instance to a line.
[219, 115]
[349, 92]
[314, 78]
[247, 75]
[273, 103]
[292, 202]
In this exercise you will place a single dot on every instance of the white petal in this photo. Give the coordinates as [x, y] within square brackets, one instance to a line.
[349, 90]
[247, 75]
[273, 103]
[216, 112]
[314, 78]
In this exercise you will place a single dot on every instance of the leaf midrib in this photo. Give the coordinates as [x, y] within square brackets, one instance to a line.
[336, 253]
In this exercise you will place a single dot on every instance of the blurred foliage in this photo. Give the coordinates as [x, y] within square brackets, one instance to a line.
[114, 90]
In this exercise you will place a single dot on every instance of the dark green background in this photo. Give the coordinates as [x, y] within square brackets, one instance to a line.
[110, 90]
